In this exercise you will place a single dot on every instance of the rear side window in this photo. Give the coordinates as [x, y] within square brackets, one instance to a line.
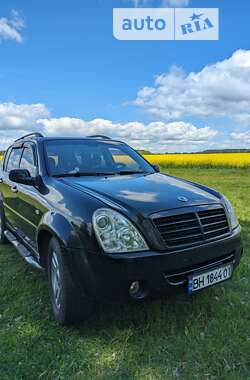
[14, 159]
[28, 161]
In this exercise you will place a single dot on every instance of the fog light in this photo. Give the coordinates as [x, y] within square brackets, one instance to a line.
[134, 288]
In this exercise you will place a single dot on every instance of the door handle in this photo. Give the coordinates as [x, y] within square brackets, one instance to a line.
[14, 189]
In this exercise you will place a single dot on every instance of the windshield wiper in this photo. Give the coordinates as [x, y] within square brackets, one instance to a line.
[93, 174]
[127, 172]
[82, 174]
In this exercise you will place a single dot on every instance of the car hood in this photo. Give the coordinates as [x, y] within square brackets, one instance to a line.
[146, 193]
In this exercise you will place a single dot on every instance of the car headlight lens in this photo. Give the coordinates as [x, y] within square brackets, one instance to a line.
[230, 210]
[116, 233]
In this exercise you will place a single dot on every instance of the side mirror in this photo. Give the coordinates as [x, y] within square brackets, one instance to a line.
[22, 176]
[156, 168]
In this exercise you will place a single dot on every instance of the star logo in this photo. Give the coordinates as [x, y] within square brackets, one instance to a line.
[196, 17]
[182, 199]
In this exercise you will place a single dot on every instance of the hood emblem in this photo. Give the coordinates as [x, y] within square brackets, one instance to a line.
[182, 199]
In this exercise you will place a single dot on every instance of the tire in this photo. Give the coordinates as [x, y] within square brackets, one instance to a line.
[3, 239]
[68, 305]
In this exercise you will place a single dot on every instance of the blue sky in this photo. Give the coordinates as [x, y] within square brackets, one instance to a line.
[63, 69]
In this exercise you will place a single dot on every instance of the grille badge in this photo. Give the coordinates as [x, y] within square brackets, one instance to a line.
[182, 199]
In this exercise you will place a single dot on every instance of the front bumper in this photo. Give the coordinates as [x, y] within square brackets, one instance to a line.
[108, 277]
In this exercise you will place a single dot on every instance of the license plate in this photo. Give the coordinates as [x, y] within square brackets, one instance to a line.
[203, 280]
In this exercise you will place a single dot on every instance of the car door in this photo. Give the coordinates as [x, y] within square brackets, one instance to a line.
[10, 189]
[30, 200]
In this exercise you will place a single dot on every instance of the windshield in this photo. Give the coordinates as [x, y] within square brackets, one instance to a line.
[87, 157]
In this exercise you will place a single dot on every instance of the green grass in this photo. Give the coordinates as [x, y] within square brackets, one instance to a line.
[206, 336]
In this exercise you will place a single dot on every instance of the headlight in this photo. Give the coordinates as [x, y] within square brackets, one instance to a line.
[233, 218]
[116, 233]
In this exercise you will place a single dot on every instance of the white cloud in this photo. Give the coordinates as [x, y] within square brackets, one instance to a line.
[139, 3]
[21, 117]
[5, 141]
[221, 89]
[17, 120]
[163, 3]
[241, 137]
[157, 136]
[175, 3]
[10, 29]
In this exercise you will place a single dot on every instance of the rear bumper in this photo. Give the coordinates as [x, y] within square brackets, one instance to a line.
[108, 277]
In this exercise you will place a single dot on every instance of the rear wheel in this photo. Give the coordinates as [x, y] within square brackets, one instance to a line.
[3, 239]
[69, 306]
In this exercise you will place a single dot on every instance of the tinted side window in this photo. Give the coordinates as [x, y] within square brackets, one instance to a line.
[14, 159]
[5, 160]
[28, 161]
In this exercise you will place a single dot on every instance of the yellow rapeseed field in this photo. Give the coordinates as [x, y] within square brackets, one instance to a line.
[238, 160]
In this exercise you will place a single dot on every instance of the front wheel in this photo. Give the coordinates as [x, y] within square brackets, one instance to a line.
[69, 306]
[3, 239]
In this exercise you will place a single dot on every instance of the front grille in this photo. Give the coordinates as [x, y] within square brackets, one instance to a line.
[193, 228]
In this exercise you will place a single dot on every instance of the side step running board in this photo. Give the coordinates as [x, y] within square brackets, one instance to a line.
[22, 250]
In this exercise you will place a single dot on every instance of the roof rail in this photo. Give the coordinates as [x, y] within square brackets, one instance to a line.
[99, 137]
[34, 134]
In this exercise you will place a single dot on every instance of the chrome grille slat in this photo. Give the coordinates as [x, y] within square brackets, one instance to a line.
[194, 219]
[185, 237]
[211, 216]
[214, 224]
[180, 227]
[214, 217]
[183, 229]
[219, 229]
[197, 227]
[212, 212]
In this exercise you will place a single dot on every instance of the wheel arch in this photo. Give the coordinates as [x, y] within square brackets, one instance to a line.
[55, 225]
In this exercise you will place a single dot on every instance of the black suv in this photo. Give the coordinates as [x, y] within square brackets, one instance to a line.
[106, 225]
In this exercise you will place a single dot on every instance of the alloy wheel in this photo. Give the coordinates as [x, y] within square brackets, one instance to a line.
[56, 280]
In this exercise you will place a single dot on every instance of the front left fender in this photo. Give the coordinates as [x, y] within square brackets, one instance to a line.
[59, 226]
